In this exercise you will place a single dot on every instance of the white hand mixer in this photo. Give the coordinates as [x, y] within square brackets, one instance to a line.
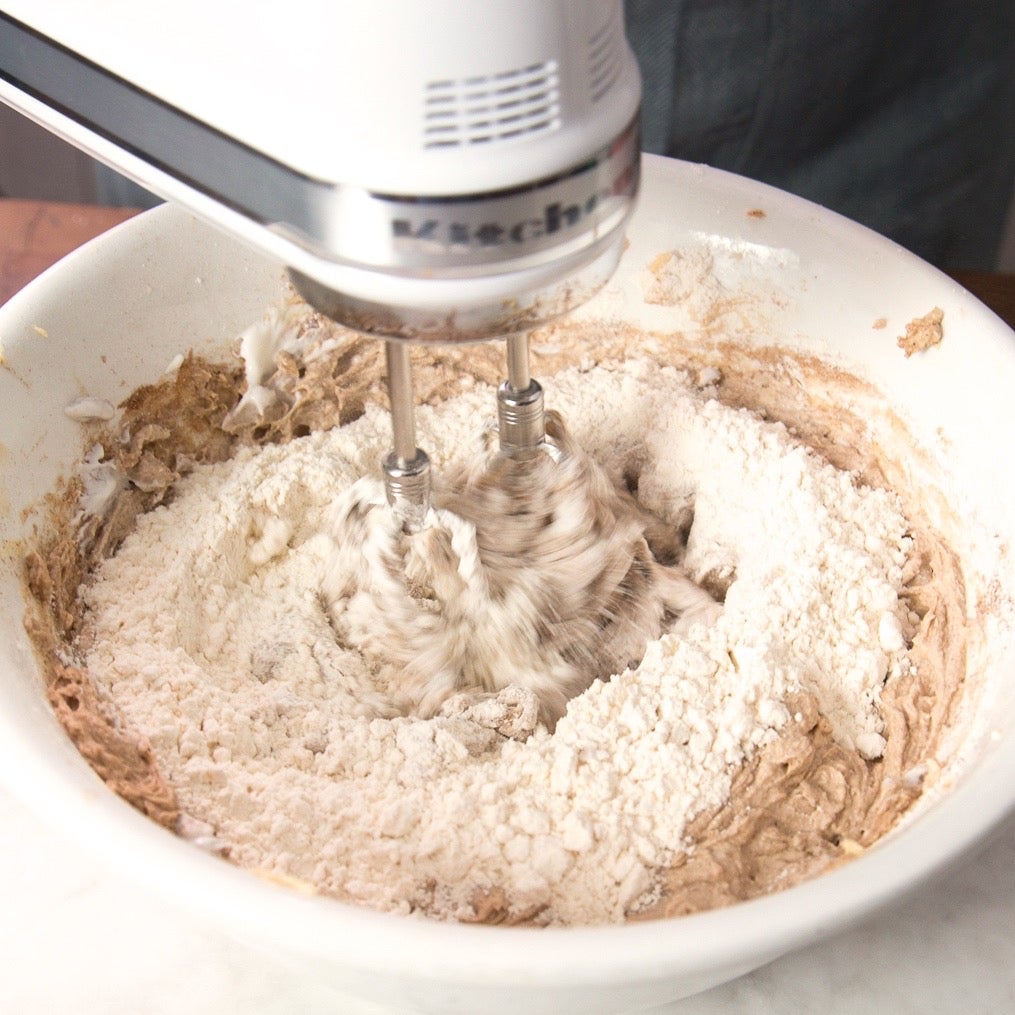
[429, 170]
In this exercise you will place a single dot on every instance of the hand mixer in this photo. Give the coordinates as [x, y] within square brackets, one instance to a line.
[429, 170]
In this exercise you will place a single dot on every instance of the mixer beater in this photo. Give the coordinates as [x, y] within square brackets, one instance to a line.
[521, 421]
[407, 479]
[521, 427]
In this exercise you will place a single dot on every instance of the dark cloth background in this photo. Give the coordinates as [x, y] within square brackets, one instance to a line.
[896, 113]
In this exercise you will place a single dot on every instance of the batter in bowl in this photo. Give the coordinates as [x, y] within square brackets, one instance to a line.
[210, 672]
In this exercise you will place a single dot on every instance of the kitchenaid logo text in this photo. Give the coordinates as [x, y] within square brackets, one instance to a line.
[553, 218]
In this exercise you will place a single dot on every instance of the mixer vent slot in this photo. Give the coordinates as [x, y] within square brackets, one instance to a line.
[493, 107]
[606, 56]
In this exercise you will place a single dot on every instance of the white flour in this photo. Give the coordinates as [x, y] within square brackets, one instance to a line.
[211, 638]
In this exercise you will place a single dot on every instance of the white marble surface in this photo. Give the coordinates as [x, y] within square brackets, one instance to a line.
[76, 938]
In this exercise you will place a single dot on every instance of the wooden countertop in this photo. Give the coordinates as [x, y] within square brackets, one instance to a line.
[36, 234]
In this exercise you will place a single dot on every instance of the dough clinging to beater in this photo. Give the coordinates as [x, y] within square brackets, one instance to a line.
[535, 573]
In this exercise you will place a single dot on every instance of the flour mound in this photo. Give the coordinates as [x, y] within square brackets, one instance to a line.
[211, 634]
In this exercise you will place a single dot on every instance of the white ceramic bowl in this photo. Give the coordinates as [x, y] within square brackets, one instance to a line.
[114, 314]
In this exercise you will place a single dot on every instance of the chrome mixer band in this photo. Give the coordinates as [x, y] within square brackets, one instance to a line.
[464, 234]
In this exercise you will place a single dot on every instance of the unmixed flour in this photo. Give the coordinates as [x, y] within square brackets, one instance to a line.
[208, 633]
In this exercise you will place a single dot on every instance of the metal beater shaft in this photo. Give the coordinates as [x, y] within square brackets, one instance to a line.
[520, 416]
[406, 467]
[519, 377]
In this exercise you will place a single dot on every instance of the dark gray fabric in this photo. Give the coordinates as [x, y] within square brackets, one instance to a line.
[898, 114]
